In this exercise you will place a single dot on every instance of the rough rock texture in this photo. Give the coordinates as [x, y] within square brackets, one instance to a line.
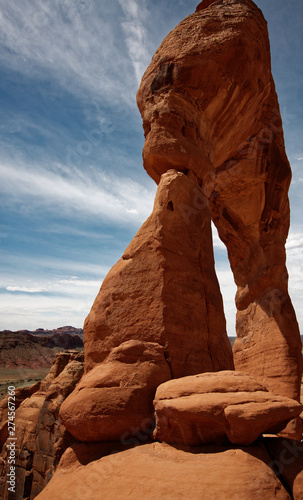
[211, 407]
[209, 107]
[116, 395]
[20, 395]
[164, 288]
[158, 471]
[41, 438]
[287, 458]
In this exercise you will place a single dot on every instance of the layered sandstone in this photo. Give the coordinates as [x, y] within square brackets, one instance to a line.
[209, 108]
[164, 289]
[40, 436]
[217, 408]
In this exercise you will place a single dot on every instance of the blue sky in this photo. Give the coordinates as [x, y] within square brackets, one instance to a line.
[72, 186]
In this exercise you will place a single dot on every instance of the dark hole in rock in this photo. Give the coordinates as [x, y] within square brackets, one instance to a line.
[170, 206]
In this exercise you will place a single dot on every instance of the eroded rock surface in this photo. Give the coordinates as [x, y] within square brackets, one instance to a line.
[217, 407]
[164, 288]
[40, 436]
[117, 394]
[287, 458]
[155, 471]
[209, 107]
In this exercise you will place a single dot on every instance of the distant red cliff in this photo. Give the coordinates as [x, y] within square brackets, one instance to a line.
[35, 349]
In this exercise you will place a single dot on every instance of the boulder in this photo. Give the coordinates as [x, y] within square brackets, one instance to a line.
[116, 396]
[217, 407]
[153, 471]
[164, 289]
[210, 110]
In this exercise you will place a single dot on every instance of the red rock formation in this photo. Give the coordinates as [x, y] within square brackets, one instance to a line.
[21, 394]
[156, 471]
[164, 288]
[158, 314]
[117, 394]
[287, 458]
[41, 438]
[211, 407]
[210, 111]
[209, 106]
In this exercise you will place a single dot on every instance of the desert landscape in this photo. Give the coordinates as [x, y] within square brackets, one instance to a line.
[153, 399]
[26, 357]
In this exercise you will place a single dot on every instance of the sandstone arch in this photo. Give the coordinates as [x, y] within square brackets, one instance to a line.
[210, 108]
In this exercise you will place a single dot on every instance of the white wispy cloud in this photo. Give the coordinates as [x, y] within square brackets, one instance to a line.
[66, 229]
[111, 197]
[77, 43]
[136, 35]
[27, 311]
[46, 266]
[295, 271]
[71, 286]
[228, 290]
[49, 302]
[34, 289]
[294, 240]
[216, 240]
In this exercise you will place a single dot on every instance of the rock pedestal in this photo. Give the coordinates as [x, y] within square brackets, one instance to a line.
[158, 315]
[164, 289]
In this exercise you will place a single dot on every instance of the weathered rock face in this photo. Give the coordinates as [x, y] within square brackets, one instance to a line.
[217, 407]
[287, 458]
[41, 438]
[117, 394]
[164, 288]
[155, 471]
[205, 89]
[209, 107]
[21, 394]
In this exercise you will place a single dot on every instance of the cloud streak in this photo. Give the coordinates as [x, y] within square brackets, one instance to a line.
[92, 193]
[71, 286]
[136, 36]
[48, 302]
[74, 42]
[26, 311]
[294, 240]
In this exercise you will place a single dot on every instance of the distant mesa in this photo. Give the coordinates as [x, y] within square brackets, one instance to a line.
[37, 349]
[41, 331]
